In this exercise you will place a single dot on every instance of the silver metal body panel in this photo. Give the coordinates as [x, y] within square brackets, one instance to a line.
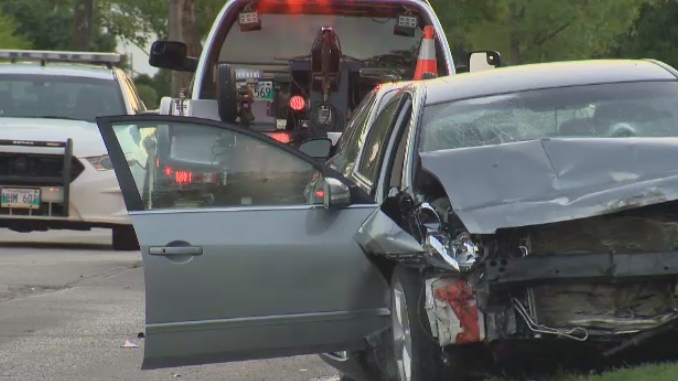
[245, 282]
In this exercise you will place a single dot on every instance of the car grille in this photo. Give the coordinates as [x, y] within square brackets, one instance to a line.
[36, 169]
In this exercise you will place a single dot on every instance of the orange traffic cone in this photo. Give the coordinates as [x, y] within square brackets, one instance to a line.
[427, 63]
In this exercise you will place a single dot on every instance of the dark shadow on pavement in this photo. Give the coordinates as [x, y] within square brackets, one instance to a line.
[56, 245]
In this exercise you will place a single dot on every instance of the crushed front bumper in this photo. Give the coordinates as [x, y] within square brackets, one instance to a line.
[605, 267]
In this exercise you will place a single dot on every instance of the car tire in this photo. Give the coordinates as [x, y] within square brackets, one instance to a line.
[125, 238]
[417, 356]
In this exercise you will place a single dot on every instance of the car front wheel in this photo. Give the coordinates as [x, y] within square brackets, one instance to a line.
[417, 356]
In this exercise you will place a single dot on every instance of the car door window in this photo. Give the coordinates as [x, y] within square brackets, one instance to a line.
[211, 167]
[349, 144]
[377, 139]
[397, 160]
[348, 151]
[357, 119]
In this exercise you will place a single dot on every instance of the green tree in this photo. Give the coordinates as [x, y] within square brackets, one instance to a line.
[8, 39]
[49, 24]
[134, 20]
[148, 95]
[526, 31]
[654, 34]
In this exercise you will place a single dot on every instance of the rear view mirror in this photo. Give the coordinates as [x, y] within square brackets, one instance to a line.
[172, 55]
[483, 60]
[318, 148]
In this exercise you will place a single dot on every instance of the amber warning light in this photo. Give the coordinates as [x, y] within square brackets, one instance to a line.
[297, 103]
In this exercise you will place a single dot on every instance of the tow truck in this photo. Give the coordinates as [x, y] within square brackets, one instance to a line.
[296, 69]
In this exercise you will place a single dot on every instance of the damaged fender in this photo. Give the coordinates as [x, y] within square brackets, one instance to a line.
[380, 235]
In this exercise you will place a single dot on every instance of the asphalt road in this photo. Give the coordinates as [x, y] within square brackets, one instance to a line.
[67, 309]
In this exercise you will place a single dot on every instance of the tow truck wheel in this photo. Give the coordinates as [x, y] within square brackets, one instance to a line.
[124, 238]
[417, 356]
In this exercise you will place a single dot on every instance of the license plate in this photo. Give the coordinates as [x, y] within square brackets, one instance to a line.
[263, 92]
[20, 198]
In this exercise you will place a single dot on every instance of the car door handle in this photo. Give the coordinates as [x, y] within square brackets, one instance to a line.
[175, 250]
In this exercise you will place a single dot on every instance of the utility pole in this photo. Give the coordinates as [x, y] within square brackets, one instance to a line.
[174, 32]
[182, 27]
[82, 34]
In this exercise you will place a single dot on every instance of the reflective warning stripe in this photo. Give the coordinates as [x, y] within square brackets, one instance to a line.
[427, 50]
[427, 64]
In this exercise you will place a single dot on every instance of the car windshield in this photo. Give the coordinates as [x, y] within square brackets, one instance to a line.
[641, 109]
[365, 33]
[51, 96]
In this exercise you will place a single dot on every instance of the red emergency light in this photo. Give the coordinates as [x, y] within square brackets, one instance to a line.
[280, 136]
[297, 103]
[190, 177]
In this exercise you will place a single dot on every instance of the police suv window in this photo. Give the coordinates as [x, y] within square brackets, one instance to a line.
[375, 144]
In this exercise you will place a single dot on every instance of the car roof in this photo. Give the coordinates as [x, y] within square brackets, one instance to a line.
[59, 69]
[539, 76]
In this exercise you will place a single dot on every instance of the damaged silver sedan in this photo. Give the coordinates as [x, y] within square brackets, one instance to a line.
[530, 206]
[543, 198]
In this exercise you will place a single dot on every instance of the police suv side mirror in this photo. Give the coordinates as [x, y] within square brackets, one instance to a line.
[483, 60]
[172, 55]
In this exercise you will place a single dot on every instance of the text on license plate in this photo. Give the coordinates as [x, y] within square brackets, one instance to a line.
[263, 92]
[20, 198]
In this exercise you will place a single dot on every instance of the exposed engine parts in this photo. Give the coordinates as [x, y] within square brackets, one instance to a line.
[460, 253]
[605, 280]
[576, 333]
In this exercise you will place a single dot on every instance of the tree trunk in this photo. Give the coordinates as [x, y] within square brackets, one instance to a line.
[183, 27]
[190, 35]
[174, 24]
[82, 33]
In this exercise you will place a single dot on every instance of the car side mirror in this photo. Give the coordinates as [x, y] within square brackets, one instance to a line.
[318, 148]
[172, 55]
[336, 194]
[483, 60]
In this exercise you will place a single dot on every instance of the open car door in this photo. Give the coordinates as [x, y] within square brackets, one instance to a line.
[241, 258]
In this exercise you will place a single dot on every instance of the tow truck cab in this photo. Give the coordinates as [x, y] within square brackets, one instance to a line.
[295, 69]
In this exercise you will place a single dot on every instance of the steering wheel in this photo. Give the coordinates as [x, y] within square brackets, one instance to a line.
[622, 130]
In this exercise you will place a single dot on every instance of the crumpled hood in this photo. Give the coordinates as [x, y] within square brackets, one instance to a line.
[86, 138]
[551, 180]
